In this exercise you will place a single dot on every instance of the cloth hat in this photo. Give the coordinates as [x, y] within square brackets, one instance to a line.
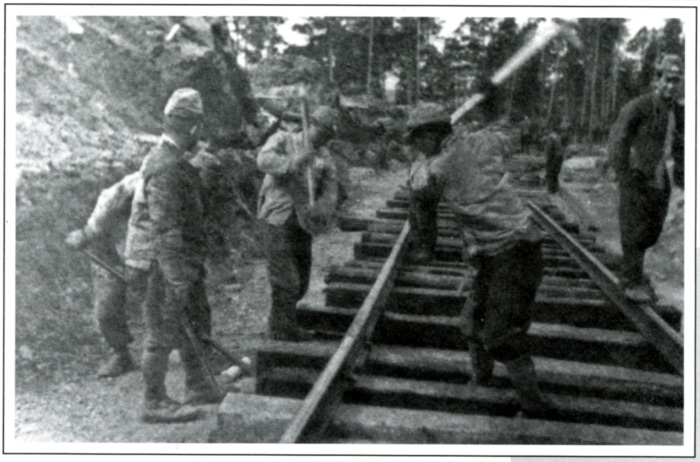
[184, 103]
[670, 65]
[427, 114]
[325, 117]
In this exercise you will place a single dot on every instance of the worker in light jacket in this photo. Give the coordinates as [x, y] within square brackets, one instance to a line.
[294, 171]
[500, 239]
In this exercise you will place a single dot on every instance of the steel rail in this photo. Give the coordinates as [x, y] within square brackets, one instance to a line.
[350, 355]
[646, 320]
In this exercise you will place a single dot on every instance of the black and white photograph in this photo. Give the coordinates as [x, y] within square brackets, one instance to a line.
[350, 230]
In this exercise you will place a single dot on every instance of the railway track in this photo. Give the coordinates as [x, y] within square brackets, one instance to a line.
[390, 365]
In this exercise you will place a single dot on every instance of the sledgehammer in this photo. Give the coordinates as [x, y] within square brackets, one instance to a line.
[534, 45]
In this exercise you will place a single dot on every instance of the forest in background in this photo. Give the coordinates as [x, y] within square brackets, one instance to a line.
[585, 85]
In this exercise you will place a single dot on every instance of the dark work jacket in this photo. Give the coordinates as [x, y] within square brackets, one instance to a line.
[167, 220]
[637, 138]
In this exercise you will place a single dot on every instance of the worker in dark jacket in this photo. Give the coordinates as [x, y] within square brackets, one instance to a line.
[287, 217]
[645, 137]
[554, 144]
[500, 240]
[166, 238]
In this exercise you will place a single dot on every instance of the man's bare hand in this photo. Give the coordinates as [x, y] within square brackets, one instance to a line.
[77, 239]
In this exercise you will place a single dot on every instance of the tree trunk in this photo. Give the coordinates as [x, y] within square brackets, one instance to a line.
[584, 98]
[331, 53]
[541, 74]
[552, 92]
[594, 73]
[234, 44]
[511, 95]
[416, 97]
[605, 101]
[613, 103]
[369, 58]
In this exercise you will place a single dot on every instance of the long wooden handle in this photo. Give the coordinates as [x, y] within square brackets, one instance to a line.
[541, 38]
[305, 129]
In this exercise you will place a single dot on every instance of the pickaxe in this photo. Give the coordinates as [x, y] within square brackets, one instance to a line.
[305, 130]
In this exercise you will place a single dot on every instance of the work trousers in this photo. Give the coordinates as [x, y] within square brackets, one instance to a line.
[112, 299]
[642, 213]
[167, 306]
[553, 166]
[498, 311]
[423, 217]
[288, 250]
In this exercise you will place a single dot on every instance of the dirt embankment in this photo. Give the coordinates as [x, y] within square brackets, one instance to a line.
[88, 110]
[81, 107]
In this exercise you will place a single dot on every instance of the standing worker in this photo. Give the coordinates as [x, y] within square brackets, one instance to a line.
[287, 217]
[553, 145]
[167, 239]
[104, 233]
[644, 138]
[500, 240]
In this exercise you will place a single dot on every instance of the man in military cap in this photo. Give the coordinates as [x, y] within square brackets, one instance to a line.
[500, 240]
[167, 239]
[288, 218]
[646, 135]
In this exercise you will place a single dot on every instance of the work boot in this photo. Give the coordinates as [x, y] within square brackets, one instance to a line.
[119, 363]
[482, 363]
[533, 402]
[638, 293]
[167, 410]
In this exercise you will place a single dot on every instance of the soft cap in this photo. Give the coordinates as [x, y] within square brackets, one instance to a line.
[184, 103]
[670, 65]
[325, 117]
